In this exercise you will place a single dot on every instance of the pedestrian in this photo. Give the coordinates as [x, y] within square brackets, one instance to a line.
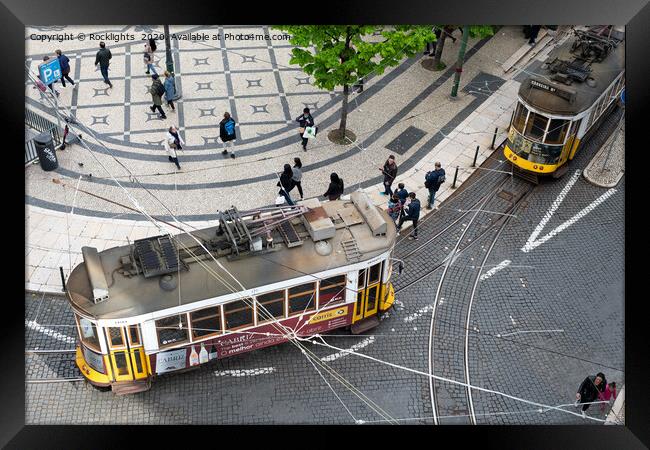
[335, 189]
[449, 30]
[305, 120]
[227, 134]
[607, 395]
[412, 214]
[157, 90]
[170, 89]
[173, 142]
[286, 184]
[402, 193]
[590, 390]
[431, 46]
[64, 62]
[432, 181]
[51, 85]
[394, 207]
[534, 31]
[102, 58]
[297, 175]
[390, 172]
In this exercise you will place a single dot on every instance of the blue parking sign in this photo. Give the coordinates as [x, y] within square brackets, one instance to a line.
[50, 71]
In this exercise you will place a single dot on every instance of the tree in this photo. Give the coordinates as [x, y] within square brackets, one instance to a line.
[446, 30]
[342, 55]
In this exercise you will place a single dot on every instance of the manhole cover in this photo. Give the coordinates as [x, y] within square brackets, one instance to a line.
[506, 195]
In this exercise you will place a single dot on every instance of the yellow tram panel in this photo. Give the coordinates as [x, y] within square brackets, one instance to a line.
[528, 165]
[91, 374]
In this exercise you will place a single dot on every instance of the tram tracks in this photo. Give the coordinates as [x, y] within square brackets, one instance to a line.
[451, 403]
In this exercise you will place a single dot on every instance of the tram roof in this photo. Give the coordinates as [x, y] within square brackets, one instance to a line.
[604, 72]
[136, 295]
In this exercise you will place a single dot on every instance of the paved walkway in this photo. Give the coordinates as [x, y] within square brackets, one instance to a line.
[407, 109]
[608, 166]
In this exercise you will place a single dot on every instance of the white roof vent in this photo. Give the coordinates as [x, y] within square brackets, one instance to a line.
[317, 222]
[95, 274]
[372, 216]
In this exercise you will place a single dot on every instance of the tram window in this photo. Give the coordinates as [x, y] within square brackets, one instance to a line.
[536, 126]
[375, 274]
[557, 131]
[134, 335]
[238, 314]
[520, 118]
[271, 304]
[362, 279]
[332, 291]
[169, 332]
[302, 298]
[94, 360]
[115, 337]
[206, 321]
[88, 333]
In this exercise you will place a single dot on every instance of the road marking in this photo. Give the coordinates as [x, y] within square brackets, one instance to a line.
[244, 372]
[49, 332]
[533, 242]
[418, 313]
[492, 271]
[354, 348]
[513, 321]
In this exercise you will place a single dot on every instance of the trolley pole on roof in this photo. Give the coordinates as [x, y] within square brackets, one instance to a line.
[461, 58]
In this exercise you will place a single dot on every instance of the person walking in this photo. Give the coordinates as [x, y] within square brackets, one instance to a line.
[51, 85]
[103, 58]
[431, 46]
[157, 90]
[412, 214]
[532, 36]
[227, 134]
[402, 193]
[608, 394]
[432, 181]
[589, 390]
[335, 189]
[148, 59]
[64, 62]
[173, 142]
[390, 172]
[170, 89]
[286, 184]
[297, 175]
[305, 120]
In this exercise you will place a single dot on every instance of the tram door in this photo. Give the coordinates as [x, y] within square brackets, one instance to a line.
[368, 290]
[126, 353]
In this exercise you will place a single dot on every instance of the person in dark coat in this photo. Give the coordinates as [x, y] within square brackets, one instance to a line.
[390, 172]
[305, 120]
[534, 31]
[402, 193]
[102, 58]
[432, 181]
[297, 175]
[64, 62]
[589, 390]
[156, 90]
[286, 184]
[335, 189]
[227, 134]
[412, 214]
[148, 59]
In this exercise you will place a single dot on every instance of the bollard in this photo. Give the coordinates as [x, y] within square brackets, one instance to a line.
[62, 278]
[494, 138]
[453, 186]
[475, 156]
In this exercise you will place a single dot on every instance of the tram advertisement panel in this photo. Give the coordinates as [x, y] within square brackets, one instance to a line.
[171, 360]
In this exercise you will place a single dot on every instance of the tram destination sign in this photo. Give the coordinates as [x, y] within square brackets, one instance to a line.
[567, 94]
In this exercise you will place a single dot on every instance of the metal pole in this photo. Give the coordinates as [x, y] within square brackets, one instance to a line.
[453, 186]
[459, 63]
[494, 138]
[56, 113]
[168, 50]
[475, 156]
[62, 278]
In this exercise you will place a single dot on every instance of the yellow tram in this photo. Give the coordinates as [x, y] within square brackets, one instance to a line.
[258, 278]
[558, 108]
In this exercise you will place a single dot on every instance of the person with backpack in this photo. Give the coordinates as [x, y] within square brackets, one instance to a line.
[157, 90]
[227, 134]
[390, 172]
[412, 214]
[305, 120]
[102, 58]
[170, 89]
[64, 62]
[286, 184]
[432, 181]
[148, 58]
[297, 175]
[335, 189]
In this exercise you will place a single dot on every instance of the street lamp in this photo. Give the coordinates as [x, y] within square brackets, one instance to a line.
[168, 51]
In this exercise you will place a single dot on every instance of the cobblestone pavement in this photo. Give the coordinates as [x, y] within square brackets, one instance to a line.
[538, 326]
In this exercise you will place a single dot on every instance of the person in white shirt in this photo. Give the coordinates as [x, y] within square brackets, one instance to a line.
[173, 141]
